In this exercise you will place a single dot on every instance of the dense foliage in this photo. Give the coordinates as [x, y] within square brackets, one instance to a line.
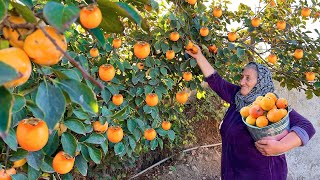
[72, 74]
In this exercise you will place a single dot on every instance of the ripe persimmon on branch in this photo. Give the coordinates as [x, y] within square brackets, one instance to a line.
[84, 73]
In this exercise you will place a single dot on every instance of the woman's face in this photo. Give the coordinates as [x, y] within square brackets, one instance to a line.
[248, 80]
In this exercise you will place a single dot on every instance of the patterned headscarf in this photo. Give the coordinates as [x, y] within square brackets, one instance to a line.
[263, 86]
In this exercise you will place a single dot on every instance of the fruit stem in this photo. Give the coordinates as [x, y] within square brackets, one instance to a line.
[32, 121]
[84, 73]
[7, 157]
[67, 156]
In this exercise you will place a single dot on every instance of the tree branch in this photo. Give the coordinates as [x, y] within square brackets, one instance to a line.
[284, 73]
[84, 73]
[7, 157]
[16, 26]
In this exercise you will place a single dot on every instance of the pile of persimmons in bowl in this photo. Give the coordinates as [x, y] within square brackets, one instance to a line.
[267, 116]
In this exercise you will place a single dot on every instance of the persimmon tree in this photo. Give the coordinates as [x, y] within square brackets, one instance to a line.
[109, 80]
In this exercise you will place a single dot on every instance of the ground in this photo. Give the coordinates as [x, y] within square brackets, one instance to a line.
[202, 163]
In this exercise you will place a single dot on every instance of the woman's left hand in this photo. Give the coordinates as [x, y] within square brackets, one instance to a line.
[270, 147]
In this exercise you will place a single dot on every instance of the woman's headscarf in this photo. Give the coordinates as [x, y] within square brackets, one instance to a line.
[263, 86]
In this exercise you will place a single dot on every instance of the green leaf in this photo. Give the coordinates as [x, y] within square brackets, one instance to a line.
[85, 152]
[4, 43]
[120, 66]
[148, 89]
[132, 142]
[36, 111]
[72, 74]
[131, 125]
[104, 147]
[89, 128]
[317, 85]
[52, 144]
[169, 83]
[154, 144]
[60, 16]
[135, 80]
[69, 143]
[7, 73]
[110, 21]
[140, 123]
[183, 66]
[33, 174]
[11, 140]
[138, 101]
[163, 71]
[82, 165]
[25, 12]
[95, 154]
[160, 143]
[171, 135]
[119, 148]
[140, 1]
[139, 91]
[76, 126]
[99, 36]
[158, 92]
[161, 132]
[193, 63]
[95, 138]
[113, 89]
[16, 117]
[240, 52]
[6, 104]
[35, 159]
[177, 47]
[148, 62]
[67, 176]
[162, 89]
[81, 115]
[52, 102]
[80, 94]
[165, 47]
[137, 135]
[27, 2]
[127, 65]
[106, 95]
[129, 11]
[154, 72]
[122, 9]
[18, 177]
[106, 112]
[147, 109]
[46, 166]
[83, 61]
[231, 46]
[122, 114]
[18, 154]
[19, 103]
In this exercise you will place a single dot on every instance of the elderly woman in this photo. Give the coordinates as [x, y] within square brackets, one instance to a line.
[242, 158]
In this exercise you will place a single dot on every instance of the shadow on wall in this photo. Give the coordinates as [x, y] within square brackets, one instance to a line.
[303, 162]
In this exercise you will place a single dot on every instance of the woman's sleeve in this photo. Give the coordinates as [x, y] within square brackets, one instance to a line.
[222, 87]
[301, 126]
